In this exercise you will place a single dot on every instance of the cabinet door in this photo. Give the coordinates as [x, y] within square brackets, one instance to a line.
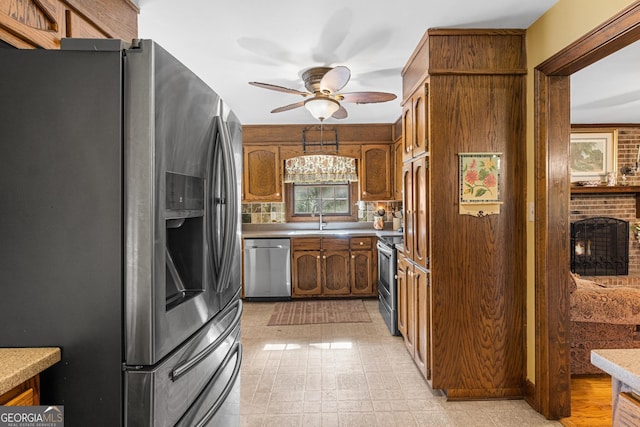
[376, 172]
[422, 318]
[407, 188]
[420, 206]
[397, 171]
[407, 131]
[402, 295]
[43, 24]
[410, 337]
[362, 273]
[335, 272]
[420, 106]
[261, 175]
[306, 273]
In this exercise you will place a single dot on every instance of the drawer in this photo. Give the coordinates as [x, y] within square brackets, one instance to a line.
[628, 410]
[361, 243]
[305, 244]
[335, 244]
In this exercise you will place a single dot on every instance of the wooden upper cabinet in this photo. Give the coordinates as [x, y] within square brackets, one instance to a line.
[415, 123]
[397, 171]
[409, 215]
[261, 175]
[375, 176]
[42, 24]
[407, 131]
[398, 149]
[420, 207]
[420, 109]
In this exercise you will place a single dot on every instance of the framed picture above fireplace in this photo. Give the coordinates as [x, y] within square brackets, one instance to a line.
[593, 154]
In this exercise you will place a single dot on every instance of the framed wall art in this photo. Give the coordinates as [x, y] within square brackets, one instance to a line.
[479, 175]
[592, 155]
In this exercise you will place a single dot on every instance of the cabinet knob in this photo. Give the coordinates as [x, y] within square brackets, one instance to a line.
[353, 256]
[364, 193]
[277, 194]
[361, 243]
[324, 257]
[318, 256]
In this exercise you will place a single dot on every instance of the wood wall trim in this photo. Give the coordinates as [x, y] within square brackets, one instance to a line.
[553, 373]
[619, 31]
[552, 192]
[371, 133]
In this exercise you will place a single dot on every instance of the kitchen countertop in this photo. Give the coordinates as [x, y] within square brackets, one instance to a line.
[317, 233]
[621, 364]
[19, 364]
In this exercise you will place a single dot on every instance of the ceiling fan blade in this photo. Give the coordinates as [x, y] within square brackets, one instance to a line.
[341, 113]
[367, 97]
[288, 107]
[279, 88]
[335, 79]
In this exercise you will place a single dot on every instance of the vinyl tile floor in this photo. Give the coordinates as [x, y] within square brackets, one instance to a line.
[349, 374]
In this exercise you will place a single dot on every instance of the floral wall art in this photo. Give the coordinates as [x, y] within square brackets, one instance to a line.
[480, 183]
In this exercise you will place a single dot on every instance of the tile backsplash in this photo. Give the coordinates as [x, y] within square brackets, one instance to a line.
[268, 213]
[262, 213]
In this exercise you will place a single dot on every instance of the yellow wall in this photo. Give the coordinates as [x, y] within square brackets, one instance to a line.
[565, 22]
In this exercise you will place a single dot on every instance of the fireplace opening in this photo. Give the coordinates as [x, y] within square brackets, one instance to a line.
[600, 247]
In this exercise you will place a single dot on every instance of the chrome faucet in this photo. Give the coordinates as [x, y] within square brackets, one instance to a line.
[321, 224]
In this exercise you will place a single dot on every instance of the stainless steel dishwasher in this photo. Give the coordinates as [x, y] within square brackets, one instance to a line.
[267, 269]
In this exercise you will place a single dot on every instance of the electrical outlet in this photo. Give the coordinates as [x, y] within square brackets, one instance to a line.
[532, 212]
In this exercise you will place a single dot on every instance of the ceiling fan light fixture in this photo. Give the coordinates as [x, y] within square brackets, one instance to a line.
[321, 107]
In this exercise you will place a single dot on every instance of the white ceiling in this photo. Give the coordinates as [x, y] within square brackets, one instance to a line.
[231, 43]
[609, 90]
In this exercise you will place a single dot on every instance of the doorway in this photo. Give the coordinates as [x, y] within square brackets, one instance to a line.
[552, 395]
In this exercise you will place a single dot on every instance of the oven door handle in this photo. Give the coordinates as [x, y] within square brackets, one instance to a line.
[384, 249]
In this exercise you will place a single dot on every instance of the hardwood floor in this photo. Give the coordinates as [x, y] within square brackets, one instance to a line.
[590, 402]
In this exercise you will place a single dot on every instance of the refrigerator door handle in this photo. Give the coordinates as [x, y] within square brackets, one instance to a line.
[183, 368]
[223, 209]
[222, 220]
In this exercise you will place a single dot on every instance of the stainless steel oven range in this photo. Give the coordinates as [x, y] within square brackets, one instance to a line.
[387, 281]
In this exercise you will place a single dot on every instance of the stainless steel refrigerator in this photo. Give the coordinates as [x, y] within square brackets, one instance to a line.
[120, 233]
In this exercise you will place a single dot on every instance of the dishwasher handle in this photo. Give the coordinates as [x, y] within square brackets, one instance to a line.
[267, 247]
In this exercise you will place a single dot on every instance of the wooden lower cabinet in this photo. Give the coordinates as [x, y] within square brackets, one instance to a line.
[306, 270]
[364, 266]
[335, 266]
[414, 312]
[331, 267]
[25, 394]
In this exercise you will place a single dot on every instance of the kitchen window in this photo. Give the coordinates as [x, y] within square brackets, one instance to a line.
[304, 201]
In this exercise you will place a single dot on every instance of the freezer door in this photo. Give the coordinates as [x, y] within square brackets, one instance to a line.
[193, 382]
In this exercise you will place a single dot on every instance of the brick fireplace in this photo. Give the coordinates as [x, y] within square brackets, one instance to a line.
[620, 206]
[600, 247]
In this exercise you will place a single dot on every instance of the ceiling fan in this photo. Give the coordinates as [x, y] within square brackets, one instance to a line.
[323, 97]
